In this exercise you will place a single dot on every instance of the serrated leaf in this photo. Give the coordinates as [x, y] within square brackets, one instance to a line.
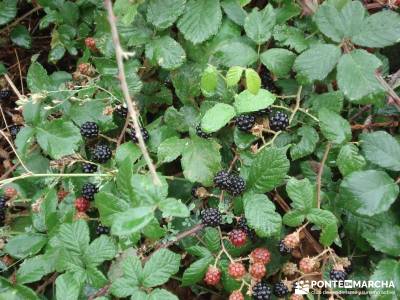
[21, 37]
[67, 287]
[268, 169]
[16, 291]
[349, 160]
[132, 220]
[253, 81]
[201, 159]
[109, 205]
[158, 294]
[37, 78]
[368, 192]
[385, 238]
[196, 271]
[212, 239]
[8, 10]
[128, 284]
[233, 75]
[33, 269]
[163, 13]
[101, 249]
[335, 128]
[259, 24]
[307, 144]
[160, 267]
[170, 149]
[381, 149]
[356, 74]
[144, 192]
[201, 20]
[209, 80]
[172, 207]
[217, 117]
[294, 218]
[26, 244]
[332, 101]
[198, 251]
[387, 270]
[166, 52]
[74, 236]
[236, 53]
[248, 102]
[58, 138]
[260, 215]
[278, 61]
[234, 11]
[326, 220]
[302, 194]
[328, 234]
[308, 64]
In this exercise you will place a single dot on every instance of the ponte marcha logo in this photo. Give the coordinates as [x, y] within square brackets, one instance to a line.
[302, 287]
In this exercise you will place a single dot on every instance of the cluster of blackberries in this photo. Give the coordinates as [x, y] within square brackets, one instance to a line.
[100, 229]
[245, 122]
[89, 130]
[5, 94]
[211, 217]
[101, 153]
[121, 111]
[201, 133]
[88, 191]
[89, 168]
[135, 139]
[14, 129]
[268, 83]
[3, 208]
[232, 183]
[278, 121]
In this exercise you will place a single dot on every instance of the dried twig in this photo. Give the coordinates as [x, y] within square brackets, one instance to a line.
[372, 125]
[182, 235]
[13, 87]
[297, 106]
[101, 292]
[120, 55]
[41, 288]
[15, 151]
[388, 89]
[320, 172]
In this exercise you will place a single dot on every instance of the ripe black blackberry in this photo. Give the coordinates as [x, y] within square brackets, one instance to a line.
[121, 111]
[278, 121]
[89, 168]
[89, 130]
[268, 83]
[283, 249]
[211, 217]
[245, 122]
[101, 153]
[14, 129]
[201, 133]
[242, 224]
[263, 112]
[3, 202]
[5, 94]
[280, 289]
[100, 229]
[222, 180]
[88, 191]
[135, 139]
[261, 291]
[236, 186]
[337, 275]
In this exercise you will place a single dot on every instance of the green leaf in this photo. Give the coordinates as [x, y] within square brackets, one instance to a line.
[259, 24]
[198, 251]
[201, 20]
[327, 222]
[279, 61]
[234, 11]
[128, 284]
[382, 149]
[33, 269]
[368, 192]
[388, 270]
[201, 159]
[170, 149]
[21, 37]
[349, 160]
[15, 291]
[8, 11]
[166, 52]
[268, 169]
[329, 234]
[173, 208]
[379, 30]
[260, 215]
[163, 13]
[26, 244]
[159, 294]
[160, 267]
[37, 78]
[132, 220]
[385, 238]
[59, 138]
[217, 117]
[212, 239]
[196, 271]
[109, 206]
[308, 64]
[253, 81]
[302, 194]
[335, 128]
[332, 101]
[248, 102]
[67, 287]
[356, 74]
[145, 192]
[307, 144]
[233, 75]
[294, 218]
[127, 152]
[74, 236]
[209, 80]
[101, 249]
[236, 53]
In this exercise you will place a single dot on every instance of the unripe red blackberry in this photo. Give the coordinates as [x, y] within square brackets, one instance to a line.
[237, 237]
[261, 291]
[245, 122]
[308, 265]
[134, 137]
[236, 295]
[90, 42]
[236, 270]
[101, 153]
[89, 130]
[213, 276]
[211, 217]
[82, 204]
[261, 255]
[279, 121]
[61, 194]
[10, 192]
[257, 270]
[201, 133]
